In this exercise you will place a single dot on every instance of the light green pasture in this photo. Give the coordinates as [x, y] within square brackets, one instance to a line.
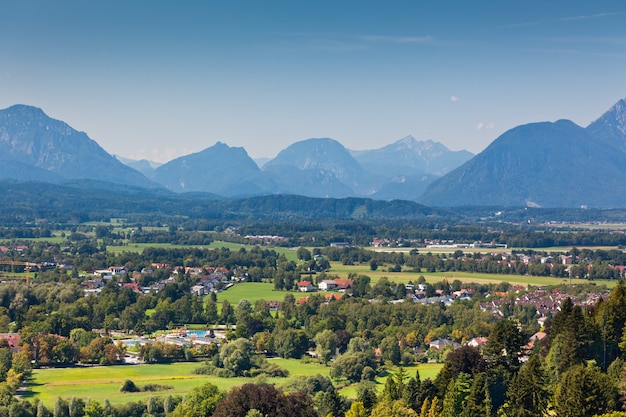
[466, 277]
[100, 383]
[253, 291]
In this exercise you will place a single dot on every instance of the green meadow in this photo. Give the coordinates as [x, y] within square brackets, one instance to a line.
[253, 291]
[104, 382]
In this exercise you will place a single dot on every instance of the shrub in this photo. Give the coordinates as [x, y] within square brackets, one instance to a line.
[156, 387]
[129, 386]
[208, 369]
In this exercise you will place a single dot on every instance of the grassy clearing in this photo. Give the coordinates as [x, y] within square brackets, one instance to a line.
[139, 247]
[100, 383]
[252, 291]
[426, 370]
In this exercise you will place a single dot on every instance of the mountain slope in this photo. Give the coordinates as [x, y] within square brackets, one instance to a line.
[36, 147]
[546, 164]
[610, 128]
[218, 169]
[409, 156]
[321, 163]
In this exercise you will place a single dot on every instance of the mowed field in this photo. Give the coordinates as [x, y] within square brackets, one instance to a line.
[104, 382]
[404, 277]
[253, 291]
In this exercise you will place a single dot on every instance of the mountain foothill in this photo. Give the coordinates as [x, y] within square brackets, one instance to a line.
[545, 164]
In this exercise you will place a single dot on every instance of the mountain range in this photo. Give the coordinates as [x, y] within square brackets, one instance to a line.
[39, 148]
[546, 164]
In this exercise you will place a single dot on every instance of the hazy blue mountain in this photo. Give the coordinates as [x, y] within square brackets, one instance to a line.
[404, 187]
[410, 157]
[321, 163]
[218, 169]
[610, 128]
[37, 147]
[545, 164]
[308, 182]
[143, 165]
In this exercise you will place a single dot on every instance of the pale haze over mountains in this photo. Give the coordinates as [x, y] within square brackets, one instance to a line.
[545, 164]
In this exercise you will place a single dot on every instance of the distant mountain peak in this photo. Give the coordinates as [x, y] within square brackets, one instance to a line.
[31, 139]
[615, 117]
[409, 156]
[24, 108]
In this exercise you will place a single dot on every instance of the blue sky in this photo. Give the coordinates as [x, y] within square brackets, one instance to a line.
[159, 79]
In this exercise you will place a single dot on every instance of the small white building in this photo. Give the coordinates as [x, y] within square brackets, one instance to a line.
[327, 285]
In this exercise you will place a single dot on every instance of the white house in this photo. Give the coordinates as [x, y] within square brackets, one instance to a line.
[327, 284]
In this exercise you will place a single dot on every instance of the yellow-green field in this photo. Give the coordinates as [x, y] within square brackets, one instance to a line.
[100, 383]
[253, 291]
[364, 269]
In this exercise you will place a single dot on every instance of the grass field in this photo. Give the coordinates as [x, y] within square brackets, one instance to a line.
[363, 269]
[253, 291]
[100, 383]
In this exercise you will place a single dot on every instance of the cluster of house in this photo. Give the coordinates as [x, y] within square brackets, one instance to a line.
[208, 280]
[18, 248]
[432, 244]
[451, 244]
[267, 239]
[546, 303]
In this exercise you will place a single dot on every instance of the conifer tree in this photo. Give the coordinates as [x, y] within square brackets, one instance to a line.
[584, 391]
[390, 391]
[434, 411]
[479, 399]
[425, 407]
[456, 395]
[528, 393]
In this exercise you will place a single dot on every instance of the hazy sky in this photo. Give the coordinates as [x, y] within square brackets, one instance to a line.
[159, 79]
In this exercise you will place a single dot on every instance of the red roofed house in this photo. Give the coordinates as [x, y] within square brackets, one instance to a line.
[13, 339]
[343, 284]
[329, 297]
